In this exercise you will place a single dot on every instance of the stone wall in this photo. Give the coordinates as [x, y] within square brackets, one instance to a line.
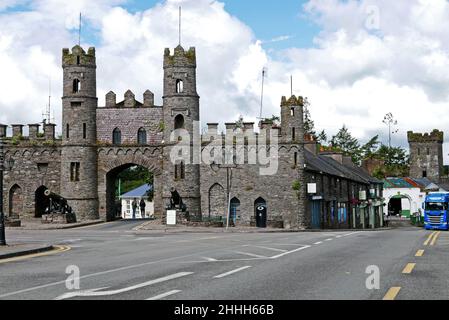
[129, 121]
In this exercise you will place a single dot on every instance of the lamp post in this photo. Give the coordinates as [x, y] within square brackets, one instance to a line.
[4, 165]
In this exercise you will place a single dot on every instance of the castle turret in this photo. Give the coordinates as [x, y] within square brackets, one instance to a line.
[181, 111]
[79, 156]
[292, 128]
[426, 154]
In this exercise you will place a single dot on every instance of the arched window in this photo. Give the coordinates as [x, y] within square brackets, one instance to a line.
[76, 86]
[179, 86]
[116, 136]
[179, 122]
[142, 136]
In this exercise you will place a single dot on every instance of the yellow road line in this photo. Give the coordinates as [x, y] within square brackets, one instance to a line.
[57, 249]
[435, 238]
[392, 293]
[420, 253]
[430, 238]
[409, 268]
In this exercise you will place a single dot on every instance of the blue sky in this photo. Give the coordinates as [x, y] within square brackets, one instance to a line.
[269, 19]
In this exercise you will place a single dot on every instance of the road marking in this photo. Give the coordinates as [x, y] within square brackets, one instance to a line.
[328, 239]
[338, 236]
[250, 254]
[392, 294]
[317, 243]
[268, 248]
[52, 284]
[231, 272]
[409, 268]
[97, 293]
[165, 295]
[430, 238]
[289, 252]
[57, 249]
[435, 238]
[420, 253]
[209, 259]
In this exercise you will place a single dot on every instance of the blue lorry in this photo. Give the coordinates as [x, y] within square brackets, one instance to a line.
[436, 211]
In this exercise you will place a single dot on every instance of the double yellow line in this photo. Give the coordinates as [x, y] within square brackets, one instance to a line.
[56, 249]
[432, 239]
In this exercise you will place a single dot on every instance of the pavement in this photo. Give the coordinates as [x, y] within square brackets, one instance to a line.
[116, 262]
[36, 224]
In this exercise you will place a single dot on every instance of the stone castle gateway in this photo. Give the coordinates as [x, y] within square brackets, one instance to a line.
[98, 143]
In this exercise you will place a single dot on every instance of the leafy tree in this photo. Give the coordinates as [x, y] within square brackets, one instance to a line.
[369, 149]
[309, 124]
[349, 145]
[321, 138]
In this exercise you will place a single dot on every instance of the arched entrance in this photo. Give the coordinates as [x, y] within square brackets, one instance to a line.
[15, 202]
[217, 201]
[126, 187]
[41, 202]
[235, 210]
[260, 207]
[400, 205]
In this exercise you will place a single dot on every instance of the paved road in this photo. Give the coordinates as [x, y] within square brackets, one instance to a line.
[126, 264]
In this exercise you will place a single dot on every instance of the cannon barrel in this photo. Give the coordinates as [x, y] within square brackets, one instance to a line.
[53, 195]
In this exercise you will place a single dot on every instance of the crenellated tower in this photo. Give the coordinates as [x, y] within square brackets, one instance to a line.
[79, 137]
[182, 111]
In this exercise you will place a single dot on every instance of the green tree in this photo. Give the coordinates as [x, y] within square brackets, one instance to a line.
[321, 138]
[309, 124]
[349, 145]
[369, 149]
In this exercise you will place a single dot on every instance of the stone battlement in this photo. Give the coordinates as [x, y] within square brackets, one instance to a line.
[293, 101]
[33, 131]
[129, 100]
[435, 136]
[78, 56]
[180, 57]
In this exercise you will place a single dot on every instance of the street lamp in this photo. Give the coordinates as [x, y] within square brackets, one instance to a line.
[216, 167]
[4, 165]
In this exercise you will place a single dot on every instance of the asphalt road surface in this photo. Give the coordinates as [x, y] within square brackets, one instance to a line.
[115, 262]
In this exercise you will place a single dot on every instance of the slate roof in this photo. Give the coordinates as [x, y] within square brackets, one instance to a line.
[139, 192]
[327, 165]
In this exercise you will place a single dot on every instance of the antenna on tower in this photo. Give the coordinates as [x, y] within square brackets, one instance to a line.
[79, 32]
[47, 113]
[180, 19]
[291, 85]
[264, 74]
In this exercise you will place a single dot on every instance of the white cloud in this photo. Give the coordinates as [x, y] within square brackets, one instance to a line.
[352, 75]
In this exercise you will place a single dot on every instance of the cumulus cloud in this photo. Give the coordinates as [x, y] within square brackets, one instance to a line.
[370, 58]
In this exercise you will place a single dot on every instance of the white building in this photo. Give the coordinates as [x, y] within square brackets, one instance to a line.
[137, 194]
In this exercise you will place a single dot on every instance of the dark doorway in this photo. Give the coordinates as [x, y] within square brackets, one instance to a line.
[395, 207]
[260, 206]
[316, 214]
[41, 202]
[235, 210]
[15, 202]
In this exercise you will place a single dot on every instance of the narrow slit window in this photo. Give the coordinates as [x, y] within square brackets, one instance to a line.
[293, 134]
[296, 159]
[74, 171]
[78, 60]
[76, 86]
[67, 131]
[84, 131]
[179, 86]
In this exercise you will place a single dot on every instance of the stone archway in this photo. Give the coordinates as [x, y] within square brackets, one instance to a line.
[396, 205]
[15, 202]
[41, 202]
[113, 161]
[217, 201]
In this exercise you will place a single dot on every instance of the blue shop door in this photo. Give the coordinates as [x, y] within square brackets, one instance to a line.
[316, 214]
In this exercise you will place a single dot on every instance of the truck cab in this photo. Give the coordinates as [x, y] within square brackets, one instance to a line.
[436, 211]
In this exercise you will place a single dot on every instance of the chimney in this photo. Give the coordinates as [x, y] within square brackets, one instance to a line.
[248, 126]
[337, 156]
[130, 99]
[148, 99]
[17, 130]
[49, 131]
[310, 144]
[33, 130]
[3, 128]
[111, 100]
[212, 129]
[230, 127]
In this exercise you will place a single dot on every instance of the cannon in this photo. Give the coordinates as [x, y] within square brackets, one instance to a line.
[176, 201]
[58, 205]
